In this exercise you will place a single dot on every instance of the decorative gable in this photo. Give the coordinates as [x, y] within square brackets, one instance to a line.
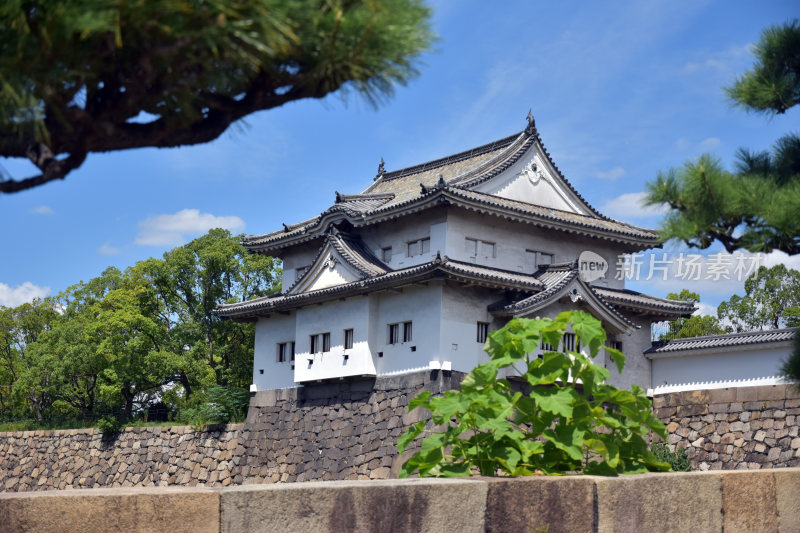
[328, 271]
[342, 259]
[533, 180]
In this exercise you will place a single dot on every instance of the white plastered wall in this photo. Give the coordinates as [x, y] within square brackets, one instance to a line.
[462, 309]
[334, 317]
[513, 238]
[270, 331]
[736, 366]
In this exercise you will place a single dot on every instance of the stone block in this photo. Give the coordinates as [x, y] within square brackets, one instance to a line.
[659, 502]
[749, 502]
[102, 510]
[351, 506]
[540, 503]
[722, 395]
[787, 487]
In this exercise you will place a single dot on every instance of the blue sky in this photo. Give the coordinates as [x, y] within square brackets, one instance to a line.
[620, 91]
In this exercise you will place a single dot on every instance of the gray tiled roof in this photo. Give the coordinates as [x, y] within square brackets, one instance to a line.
[722, 341]
[627, 298]
[438, 268]
[404, 191]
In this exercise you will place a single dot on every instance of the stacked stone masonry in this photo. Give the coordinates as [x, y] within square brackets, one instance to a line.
[348, 430]
[329, 431]
[745, 428]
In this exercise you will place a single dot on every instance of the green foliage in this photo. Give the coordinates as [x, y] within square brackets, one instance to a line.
[693, 326]
[109, 426]
[755, 207]
[223, 406]
[76, 77]
[678, 460]
[771, 301]
[791, 366]
[560, 425]
[773, 84]
[126, 340]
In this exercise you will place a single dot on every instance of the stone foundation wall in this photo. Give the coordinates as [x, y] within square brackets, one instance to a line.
[348, 430]
[736, 428]
[328, 431]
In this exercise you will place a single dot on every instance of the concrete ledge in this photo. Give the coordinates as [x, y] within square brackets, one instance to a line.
[119, 510]
[396, 506]
[765, 500]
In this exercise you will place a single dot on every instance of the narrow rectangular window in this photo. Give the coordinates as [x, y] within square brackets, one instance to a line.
[281, 352]
[617, 345]
[348, 339]
[314, 344]
[326, 342]
[471, 247]
[407, 331]
[426, 246]
[483, 331]
[394, 333]
[569, 342]
[292, 350]
[386, 254]
[547, 347]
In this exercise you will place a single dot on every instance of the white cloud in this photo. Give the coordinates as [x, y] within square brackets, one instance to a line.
[173, 230]
[12, 297]
[42, 210]
[613, 174]
[631, 206]
[107, 249]
[722, 61]
[711, 142]
[704, 309]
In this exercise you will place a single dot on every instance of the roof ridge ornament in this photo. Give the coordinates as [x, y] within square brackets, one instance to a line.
[285, 227]
[338, 197]
[531, 128]
[381, 169]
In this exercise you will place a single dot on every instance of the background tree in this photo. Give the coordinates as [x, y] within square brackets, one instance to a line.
[695, 325]
[95, 76]
[127, 340]
[754, 207]
[771, 301]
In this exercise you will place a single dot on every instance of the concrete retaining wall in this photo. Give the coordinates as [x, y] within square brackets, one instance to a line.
[761, 501]
[738, 428]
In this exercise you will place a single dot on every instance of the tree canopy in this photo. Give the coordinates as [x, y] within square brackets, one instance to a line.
[771, 301]
[94, 76]
[755, 205]
[127, 340]
[695, 325]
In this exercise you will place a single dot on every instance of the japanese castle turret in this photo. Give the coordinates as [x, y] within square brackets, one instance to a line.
[412, 273]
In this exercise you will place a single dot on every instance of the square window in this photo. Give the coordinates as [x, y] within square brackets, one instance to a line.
[483, 331]
[486, 249]
[394, 333]
[348, 339]
[407, 331]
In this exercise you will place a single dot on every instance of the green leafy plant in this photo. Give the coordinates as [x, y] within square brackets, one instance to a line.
[678, 460]
[569, 420]
[109, 426]
[223, 405]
